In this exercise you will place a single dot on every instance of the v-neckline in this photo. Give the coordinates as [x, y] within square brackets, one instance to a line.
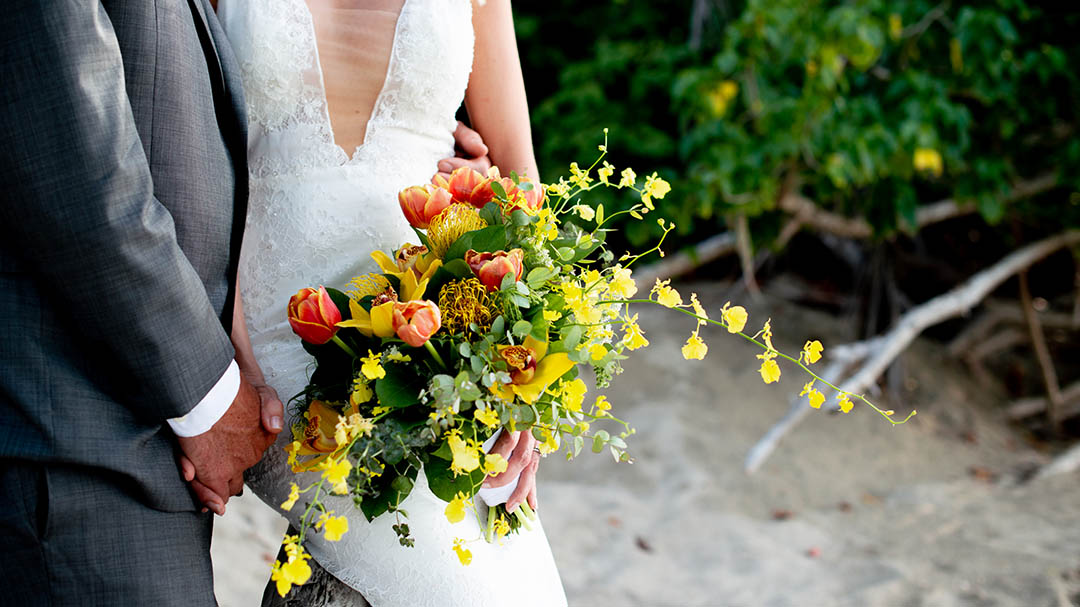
[349, 158]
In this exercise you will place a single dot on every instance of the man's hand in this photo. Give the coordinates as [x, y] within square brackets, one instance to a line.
[214, 461]
[471, 152]
[522, 461]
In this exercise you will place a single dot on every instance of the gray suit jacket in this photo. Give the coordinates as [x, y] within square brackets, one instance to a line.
[123, 191]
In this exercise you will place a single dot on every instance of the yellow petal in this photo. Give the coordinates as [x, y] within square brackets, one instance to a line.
[386, 263]
[538, 347]
[411, 287]
[361, 319]
[429, 271]
[382, 319]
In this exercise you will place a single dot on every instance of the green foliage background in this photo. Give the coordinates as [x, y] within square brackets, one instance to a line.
[833, 99]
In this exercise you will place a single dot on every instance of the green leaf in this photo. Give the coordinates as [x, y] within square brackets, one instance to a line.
[521, 328]
[467, 390]
[423, 238]
[507, 281]
[400, 388]
[571, 336]
[540, 328]
[524, 414]
[579, 442]
[538, 276]
[443, 452]
[489, 239]
[403, 485]
[599, 440]
[492, 214]
[498, 189]
[521, 219]
[498, 327]
[390, 492]
[445, 485]
[453, 270]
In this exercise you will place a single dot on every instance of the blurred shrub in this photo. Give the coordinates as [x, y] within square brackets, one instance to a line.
[870, 109]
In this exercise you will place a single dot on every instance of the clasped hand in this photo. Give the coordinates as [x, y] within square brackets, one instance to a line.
[214, 461]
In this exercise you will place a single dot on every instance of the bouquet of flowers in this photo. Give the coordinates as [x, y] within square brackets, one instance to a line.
[483, 326]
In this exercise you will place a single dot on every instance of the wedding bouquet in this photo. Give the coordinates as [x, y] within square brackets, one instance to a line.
[484, 326]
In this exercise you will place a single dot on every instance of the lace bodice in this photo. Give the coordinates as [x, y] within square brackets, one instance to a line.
[315, 215]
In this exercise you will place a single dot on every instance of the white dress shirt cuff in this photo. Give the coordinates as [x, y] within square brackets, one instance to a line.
[212, 407]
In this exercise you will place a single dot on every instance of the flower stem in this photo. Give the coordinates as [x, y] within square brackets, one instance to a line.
[341, 344]
[528, 511]
[434, 354]
[522, 519]
[489, 535]
[886, 414]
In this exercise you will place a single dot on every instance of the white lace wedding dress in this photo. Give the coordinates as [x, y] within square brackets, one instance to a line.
[316, 213]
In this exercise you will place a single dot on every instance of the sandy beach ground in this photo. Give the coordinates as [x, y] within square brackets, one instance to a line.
[848, 511]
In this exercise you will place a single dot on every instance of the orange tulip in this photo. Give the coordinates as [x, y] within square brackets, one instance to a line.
[529, 201]
[469, 186]
[421, 203]
[490, 268]
[416, 321]
[313, 315]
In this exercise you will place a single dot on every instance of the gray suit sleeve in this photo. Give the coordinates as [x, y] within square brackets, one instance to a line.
[77, 208]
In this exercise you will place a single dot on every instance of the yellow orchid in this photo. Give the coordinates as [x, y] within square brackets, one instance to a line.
[318, 437]
[412, 259]
[532, 369]
[380, 320]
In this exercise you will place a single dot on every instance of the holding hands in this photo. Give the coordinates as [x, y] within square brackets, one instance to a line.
[214, 461]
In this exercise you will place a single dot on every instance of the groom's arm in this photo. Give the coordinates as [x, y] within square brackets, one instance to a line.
[79, 211]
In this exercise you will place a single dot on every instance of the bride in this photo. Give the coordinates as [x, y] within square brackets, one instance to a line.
[349, 102]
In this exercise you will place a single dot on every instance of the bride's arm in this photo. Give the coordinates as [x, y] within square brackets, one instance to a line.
[273, 410]
[495, 98]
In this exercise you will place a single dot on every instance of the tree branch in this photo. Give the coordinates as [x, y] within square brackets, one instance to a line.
[882, 350]
[820, 219]
[1042, 355]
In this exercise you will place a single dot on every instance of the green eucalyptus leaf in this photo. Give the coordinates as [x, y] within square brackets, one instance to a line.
[521, 328]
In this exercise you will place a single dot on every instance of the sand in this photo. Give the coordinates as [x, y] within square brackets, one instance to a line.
[848, 511]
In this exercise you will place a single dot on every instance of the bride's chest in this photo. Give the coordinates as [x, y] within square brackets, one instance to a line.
[427, 69]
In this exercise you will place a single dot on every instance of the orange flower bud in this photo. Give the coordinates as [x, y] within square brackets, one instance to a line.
[468, 186]
[416, 321]
[491, 267]
[313, 315]
[421, 203]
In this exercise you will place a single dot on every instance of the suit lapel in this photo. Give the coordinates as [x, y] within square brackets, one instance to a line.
[232, 120]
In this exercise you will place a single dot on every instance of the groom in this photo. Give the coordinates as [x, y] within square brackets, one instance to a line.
[123, 192]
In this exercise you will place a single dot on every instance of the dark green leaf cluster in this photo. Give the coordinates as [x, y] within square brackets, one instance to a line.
[831, 100]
